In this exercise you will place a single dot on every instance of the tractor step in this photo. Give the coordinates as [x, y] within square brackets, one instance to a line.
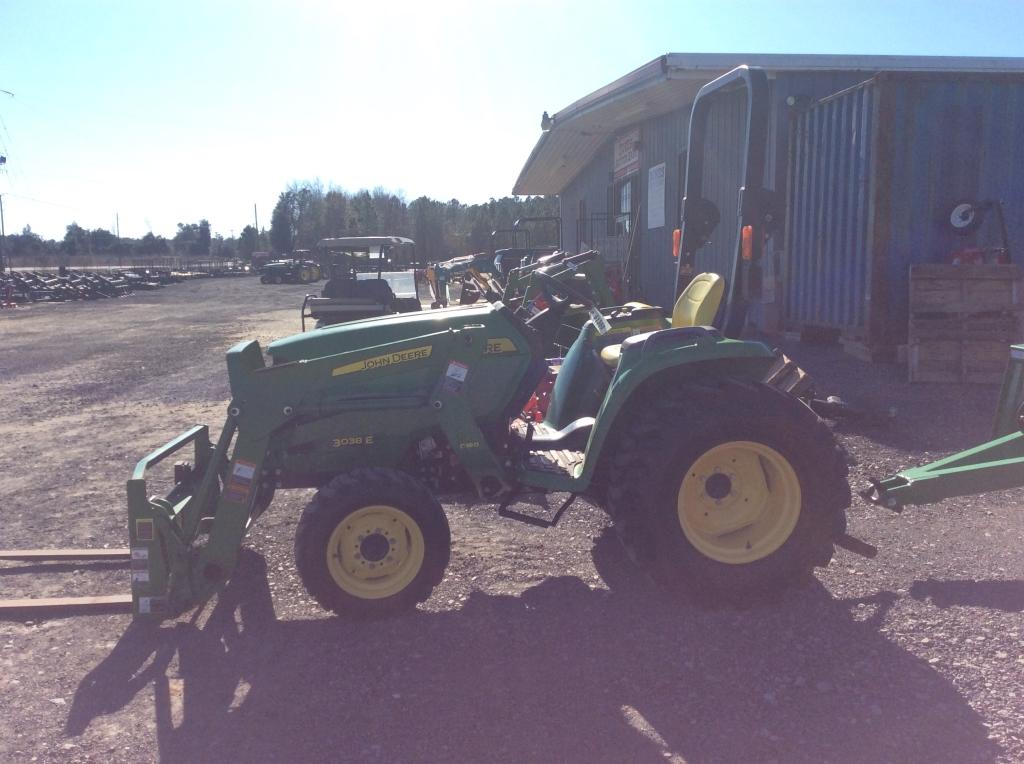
[555, 461]
[539, 522]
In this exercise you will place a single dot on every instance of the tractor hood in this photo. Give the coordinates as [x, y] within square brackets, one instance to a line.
[370, 332]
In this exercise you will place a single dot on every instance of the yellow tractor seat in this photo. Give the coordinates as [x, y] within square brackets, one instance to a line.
[610, 354]
[696, 306]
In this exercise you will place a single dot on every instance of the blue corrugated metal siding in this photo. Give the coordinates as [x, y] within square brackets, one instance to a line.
[874, 172]
[827, 271]
[950, 139]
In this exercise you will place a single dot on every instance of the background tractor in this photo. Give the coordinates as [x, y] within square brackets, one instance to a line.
[298, 269]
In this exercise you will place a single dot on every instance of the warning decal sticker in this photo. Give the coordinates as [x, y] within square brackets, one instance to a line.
[455, 377]
[144, 530]
[240, 482]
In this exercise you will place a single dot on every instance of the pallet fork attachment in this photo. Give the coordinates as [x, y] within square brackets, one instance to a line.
[61, 606]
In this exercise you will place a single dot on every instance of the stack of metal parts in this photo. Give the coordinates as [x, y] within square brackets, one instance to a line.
[41, 286]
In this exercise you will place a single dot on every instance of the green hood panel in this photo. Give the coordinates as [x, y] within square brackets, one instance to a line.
[371, 332]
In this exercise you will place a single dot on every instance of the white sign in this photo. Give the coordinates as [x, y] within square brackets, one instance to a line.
[656, 196]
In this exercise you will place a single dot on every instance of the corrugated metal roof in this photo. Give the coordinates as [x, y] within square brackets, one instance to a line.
[579, 130]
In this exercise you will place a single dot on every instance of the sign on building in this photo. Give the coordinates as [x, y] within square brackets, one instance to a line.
[656, 196]
[626, 160]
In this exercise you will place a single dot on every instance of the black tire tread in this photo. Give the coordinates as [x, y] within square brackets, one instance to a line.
[347, 492]
[643, 457]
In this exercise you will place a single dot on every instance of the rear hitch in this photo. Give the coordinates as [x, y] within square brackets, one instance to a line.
[878, 493]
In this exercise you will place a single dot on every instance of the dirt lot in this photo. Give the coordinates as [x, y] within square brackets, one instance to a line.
[538, 645]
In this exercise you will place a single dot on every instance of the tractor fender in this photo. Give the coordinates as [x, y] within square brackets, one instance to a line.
[646, 367]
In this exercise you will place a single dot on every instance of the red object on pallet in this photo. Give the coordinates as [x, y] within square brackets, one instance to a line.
[979, 256]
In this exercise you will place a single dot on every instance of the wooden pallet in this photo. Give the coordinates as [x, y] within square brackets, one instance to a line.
[964, 288]
[974, 361]
[962, 320]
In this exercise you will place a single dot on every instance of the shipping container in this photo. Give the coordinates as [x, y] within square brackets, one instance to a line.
[874, 173]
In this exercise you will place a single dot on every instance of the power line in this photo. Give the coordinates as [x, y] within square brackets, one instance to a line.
[41, 201]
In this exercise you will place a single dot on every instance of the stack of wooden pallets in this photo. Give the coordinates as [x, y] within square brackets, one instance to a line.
[962, 320]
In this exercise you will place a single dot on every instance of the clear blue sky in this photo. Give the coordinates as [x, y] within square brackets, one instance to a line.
[168, 112]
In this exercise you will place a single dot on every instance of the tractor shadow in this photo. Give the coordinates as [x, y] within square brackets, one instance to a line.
[560, 673]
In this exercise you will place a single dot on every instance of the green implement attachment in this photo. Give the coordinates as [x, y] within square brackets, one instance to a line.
[992, 466]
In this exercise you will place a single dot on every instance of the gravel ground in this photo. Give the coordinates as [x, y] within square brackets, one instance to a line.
[537, 646]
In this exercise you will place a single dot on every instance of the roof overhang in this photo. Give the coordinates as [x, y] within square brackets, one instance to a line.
[578, 131]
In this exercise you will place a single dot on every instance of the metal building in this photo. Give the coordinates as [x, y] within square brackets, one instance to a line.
[867, 152]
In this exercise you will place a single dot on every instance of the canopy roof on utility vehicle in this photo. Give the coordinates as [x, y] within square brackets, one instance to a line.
[363, 241]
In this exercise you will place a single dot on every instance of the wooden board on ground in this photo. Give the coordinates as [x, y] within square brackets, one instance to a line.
[44, 555]
[104, 603]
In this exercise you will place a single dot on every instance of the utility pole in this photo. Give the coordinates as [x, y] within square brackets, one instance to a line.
[256, 218]
[2, 232]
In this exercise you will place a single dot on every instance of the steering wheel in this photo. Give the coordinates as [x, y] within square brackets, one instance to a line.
[560, 292]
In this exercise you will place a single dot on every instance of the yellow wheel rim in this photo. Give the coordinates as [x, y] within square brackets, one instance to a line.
[375, 552]
[739, 502]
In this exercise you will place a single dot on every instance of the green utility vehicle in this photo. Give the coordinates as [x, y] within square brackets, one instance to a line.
[367, 276]
[298, 269]
[717, 483]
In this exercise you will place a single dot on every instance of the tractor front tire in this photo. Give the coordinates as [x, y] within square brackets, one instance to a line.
[372, 542]
[727, 492]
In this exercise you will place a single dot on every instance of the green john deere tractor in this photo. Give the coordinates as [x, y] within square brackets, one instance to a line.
[298, 269]
[717, 483]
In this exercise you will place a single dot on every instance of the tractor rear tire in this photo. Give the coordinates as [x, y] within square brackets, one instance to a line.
[372, 542]
[727, 493]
